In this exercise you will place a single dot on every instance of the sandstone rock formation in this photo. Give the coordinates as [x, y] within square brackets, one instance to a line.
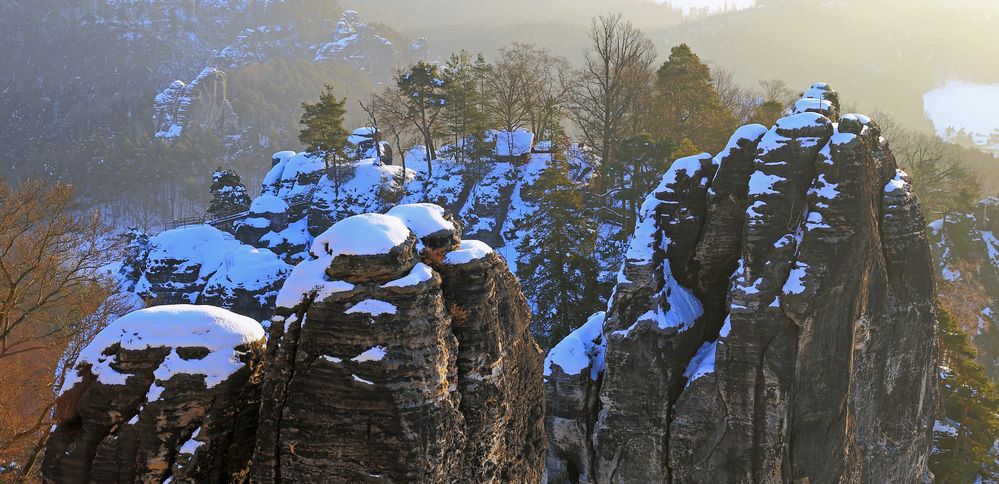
[165, 392]
[201, 104]
[400, 352]
[773, 321]
[204, 265]
[267, 213]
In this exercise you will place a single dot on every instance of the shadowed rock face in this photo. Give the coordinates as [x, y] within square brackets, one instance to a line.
[404, 356]
[171, 391]
[773, 321]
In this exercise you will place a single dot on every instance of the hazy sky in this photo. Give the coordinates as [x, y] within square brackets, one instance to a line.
[715, 4]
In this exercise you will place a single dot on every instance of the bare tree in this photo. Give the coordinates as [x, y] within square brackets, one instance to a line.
[616, 74]
[509, 89]
[776, 90]
[53, 298]
[740, 101]
[942, 180]
[393, 112]
[370, 110]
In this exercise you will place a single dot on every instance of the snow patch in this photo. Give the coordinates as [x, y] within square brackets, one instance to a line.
[581, 348]
[468, 251]
[374, 307]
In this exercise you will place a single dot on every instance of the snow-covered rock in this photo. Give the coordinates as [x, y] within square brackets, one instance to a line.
[172, 390]
[202, 264]
[394, 336]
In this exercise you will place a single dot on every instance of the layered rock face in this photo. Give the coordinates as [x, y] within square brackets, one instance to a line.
[401, 353]
[165, 392]
[773, 321]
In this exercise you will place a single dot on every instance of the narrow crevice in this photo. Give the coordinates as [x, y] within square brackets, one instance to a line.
[282, 398]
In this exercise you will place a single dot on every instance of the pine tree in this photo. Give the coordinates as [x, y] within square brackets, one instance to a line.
[684, 149]
[687, 104]
[642, 163]
[422, 86]
[767, 113]
[968, 425]
[324, 134]
[560, 274]
[464, 122]
[228, 194]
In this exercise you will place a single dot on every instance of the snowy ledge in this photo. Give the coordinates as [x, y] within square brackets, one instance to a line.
[178, 326]
[583, 348]
[468, 251]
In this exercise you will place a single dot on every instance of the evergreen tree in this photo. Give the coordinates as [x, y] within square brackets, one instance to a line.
[968, 425]
[643, 162]
[684, 149]
[422, 86]
[228, 194]
[463, 120]
[324, 134]
[767, 113]
[687, 104]
[560, 274]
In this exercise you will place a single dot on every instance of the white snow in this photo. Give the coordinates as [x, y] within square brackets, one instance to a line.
[795, 280]
[640, 249]
[702, 363]
[192, 444]
[992, 244]
[376, 353]
[374, 307]
[248, 268]
[839, 138]
[749, 132]
[422, 218]
[805, 104]
[860, 118]
[823, 189]
[763, 184]
[944, 428]
[419, 274]
[216, 329]
[366, 234]
[726, 328]
[897, 183]
[308, 279]
[580, 349]
[801, 120]
[815, 221]
[513, 143]
[468, 251]
[268, 204]
[950, 274]
[362, 380]
[817, 91]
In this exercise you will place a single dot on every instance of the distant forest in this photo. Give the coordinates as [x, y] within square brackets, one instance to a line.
[74, 115]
